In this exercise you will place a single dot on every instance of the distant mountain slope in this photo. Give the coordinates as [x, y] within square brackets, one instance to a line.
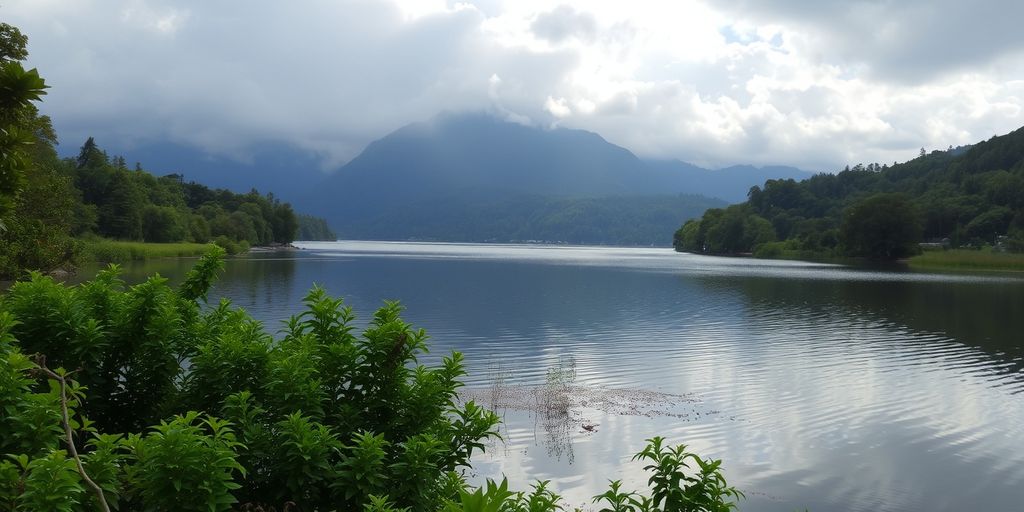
[614, 220]
[483, 175]
[730, 183]
[477, 172]
[455, 153]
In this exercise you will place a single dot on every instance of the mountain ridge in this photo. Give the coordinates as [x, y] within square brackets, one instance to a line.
[484, 174]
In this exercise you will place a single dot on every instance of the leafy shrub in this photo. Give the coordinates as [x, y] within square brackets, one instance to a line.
[322, 418]
[171, 405]
[231, 246]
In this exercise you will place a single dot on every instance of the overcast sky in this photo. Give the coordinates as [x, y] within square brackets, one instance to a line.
[817, 84]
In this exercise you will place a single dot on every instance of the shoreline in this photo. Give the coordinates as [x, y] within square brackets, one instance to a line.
[956, 261]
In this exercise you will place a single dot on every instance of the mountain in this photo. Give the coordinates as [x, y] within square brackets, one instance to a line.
[730, 183]
[474, 177]
[610, 220]
[496, 180]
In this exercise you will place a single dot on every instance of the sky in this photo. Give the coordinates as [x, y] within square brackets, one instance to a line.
[817, 84]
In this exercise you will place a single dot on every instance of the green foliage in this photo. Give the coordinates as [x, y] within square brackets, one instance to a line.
[18, 89]
[45, 202]
[230, 246]
[179, 407]
[966, 259]
[115, 251]
[969, 197]
[37, 231]
[322, 418]
[314, 228]
[680, 481]
[135, 205]
[678, 486]
[13, 44]
[185, 464]
[162, 224]
[733, 230]
[883, 226]
[616, 220]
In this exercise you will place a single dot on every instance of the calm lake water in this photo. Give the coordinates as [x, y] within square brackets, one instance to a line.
[820, 387]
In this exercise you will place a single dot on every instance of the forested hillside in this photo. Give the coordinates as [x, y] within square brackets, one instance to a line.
[314, 228]
[622, 220]
[135, 205]
[95, 195]
[477, 178]
[955, 198]
[47, 204]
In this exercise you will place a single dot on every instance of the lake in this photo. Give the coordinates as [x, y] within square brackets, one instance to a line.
[820, 387]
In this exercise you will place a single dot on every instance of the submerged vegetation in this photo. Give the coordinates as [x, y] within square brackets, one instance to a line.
[143, 398]
[956, 198]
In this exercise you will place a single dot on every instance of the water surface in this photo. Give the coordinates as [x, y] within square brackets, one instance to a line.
[820, 386]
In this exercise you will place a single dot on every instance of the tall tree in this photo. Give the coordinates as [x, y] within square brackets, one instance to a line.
[883, 226]
[18, 89]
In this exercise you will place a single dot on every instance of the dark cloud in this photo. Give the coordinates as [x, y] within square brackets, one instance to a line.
[910, 41]
[816, 84]
[330, 77]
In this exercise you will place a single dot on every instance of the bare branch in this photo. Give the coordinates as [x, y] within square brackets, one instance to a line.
[41, 363]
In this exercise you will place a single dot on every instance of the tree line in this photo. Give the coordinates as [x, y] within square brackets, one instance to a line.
[48, 204]
[136, 205]
[314, 228]
[962, 197]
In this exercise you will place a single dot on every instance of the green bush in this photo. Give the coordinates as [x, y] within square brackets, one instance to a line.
[232, 247]
[173, 405]
[770, 250]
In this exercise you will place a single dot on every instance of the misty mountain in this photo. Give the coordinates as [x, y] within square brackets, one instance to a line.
[473, 177]
[495, 180]
[730, 184]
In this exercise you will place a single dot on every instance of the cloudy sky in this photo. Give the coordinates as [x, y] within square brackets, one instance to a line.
[813, 83]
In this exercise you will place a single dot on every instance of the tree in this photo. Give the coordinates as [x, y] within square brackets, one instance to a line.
[13, 44]
[120, 213]
[18, 89]
[162, 224]
[882, 226]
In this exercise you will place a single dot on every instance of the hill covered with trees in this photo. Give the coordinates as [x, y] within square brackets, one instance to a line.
[47, 203]
[314, 228]
[963, 197]
[473, 177]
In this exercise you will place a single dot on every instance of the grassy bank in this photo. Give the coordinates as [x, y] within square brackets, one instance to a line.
[962, 259]
[113, 251]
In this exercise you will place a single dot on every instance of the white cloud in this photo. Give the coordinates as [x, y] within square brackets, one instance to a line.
[818, 85]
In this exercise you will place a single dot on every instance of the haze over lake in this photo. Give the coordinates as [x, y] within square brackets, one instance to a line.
[821, 387]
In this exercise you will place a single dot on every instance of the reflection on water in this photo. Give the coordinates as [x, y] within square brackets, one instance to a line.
[820, 386]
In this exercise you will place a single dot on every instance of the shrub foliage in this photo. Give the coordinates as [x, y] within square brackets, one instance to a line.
[171, 403]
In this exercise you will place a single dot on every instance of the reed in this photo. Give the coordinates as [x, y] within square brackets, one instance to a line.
[114, 251]
[964, 259]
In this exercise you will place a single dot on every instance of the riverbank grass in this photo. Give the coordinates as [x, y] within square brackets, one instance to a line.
[114, 251]
[963, 259]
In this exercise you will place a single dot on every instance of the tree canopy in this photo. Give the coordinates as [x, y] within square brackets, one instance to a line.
[963, 196]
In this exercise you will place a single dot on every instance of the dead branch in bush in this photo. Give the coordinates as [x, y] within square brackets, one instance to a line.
[65, 420]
